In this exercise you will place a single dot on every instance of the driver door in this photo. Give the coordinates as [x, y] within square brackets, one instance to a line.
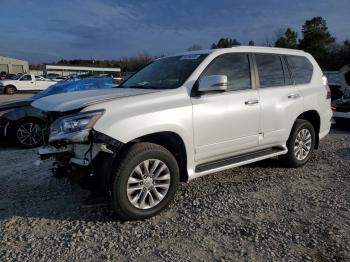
[26, 82]
[227, 123]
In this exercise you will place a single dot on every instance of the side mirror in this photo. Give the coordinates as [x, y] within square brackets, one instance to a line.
[212, 83]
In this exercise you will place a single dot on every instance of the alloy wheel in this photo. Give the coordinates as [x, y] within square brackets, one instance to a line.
[148, 184]
[302, 144]
[29, 134]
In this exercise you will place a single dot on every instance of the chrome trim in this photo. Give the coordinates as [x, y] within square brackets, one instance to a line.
[196, 175]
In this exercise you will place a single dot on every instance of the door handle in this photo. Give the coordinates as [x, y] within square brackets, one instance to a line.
[293, 96]
[251, 102]
[32, 82]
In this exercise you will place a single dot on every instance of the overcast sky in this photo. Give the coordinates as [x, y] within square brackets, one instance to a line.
[49, 30]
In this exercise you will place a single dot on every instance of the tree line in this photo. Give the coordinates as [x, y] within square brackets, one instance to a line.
[316, 39]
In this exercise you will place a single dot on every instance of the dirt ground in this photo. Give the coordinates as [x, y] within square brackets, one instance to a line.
[259, 212]
[6, 98]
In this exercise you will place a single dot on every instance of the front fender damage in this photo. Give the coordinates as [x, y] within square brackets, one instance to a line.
[84, 161]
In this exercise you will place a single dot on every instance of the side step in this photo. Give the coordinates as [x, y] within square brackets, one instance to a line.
[240, 160]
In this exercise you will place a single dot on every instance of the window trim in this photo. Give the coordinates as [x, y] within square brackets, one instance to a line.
[194, 91]
[21, 79]
[287, 70]
[284, 66]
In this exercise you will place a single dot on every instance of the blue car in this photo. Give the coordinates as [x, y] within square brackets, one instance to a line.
[24, 125]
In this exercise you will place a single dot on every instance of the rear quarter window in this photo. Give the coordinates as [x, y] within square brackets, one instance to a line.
[301, 68]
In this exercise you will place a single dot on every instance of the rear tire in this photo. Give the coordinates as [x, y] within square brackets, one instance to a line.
[301, 144]
[145, 181]
[10, 90]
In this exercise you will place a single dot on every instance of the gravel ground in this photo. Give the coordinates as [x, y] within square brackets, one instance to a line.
[6, 98]
[254, 213]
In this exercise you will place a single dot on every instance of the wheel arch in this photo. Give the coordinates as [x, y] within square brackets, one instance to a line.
[172, 142]
[24, 118]
[313, 117]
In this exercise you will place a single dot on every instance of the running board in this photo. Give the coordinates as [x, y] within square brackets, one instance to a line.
[240, 160]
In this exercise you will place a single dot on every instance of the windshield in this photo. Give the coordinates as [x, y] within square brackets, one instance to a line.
[165, 73]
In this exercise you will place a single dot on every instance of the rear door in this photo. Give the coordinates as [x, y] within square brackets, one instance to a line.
[280, 99]
[227, 123]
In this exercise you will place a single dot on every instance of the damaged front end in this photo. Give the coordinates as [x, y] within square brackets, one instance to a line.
[80, 151]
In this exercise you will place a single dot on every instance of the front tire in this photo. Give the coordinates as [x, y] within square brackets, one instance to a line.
[10, 90]
[28, 133]
[301, 144]
[145, 181]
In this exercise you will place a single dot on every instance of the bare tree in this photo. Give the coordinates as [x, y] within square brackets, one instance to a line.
[194, 47]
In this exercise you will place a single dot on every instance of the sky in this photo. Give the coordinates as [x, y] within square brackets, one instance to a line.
[50, 30]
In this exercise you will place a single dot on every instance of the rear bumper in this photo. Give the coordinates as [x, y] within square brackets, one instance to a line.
[341, 114]
[326, 122]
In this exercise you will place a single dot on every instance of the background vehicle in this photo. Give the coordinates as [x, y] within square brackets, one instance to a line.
[23, 124]
[334, 84]
[341, 111]
[186, 116]
[52, 76]
[26, 82]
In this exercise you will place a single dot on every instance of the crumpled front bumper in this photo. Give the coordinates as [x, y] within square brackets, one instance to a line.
[81, 154]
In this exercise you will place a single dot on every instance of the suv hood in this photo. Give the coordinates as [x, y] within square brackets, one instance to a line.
[77, 100]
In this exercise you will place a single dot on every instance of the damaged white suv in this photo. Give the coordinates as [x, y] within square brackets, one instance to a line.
[186, 116]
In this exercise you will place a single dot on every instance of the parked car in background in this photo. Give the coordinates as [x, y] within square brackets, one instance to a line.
[4, 75]
[341, 110]
[12, 76]
[52, 75]
[186, 116]
[26, 82]
[334, 84]
[23, 124]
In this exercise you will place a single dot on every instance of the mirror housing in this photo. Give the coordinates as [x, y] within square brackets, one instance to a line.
[212, 83]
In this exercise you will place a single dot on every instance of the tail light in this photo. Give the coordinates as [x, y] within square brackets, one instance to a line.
[325, 83]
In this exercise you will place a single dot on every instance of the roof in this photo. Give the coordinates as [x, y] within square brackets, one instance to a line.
[254, 49]
[10, 58]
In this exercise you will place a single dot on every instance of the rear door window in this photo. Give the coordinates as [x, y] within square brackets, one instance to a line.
[270, 70]
[301, 69]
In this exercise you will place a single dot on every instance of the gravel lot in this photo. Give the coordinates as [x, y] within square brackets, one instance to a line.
[6, 98]
[257, 212]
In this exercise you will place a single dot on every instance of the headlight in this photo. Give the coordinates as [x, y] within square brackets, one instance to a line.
[74, 128]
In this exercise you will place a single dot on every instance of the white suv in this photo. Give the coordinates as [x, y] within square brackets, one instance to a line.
[186, 116]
